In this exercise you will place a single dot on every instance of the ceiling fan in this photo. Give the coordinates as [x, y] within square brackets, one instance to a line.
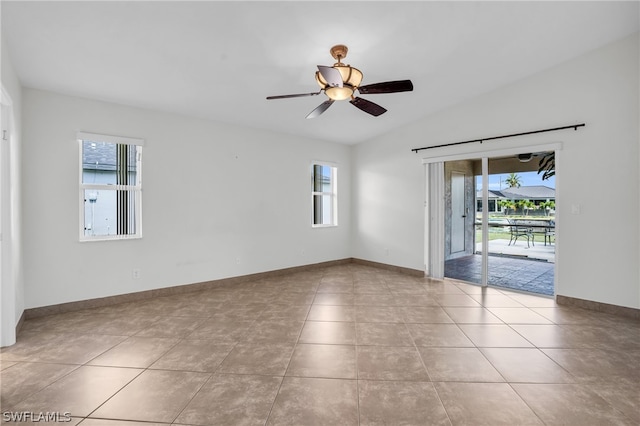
[340, 81]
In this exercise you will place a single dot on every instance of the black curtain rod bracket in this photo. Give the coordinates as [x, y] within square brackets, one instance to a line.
[573, 126]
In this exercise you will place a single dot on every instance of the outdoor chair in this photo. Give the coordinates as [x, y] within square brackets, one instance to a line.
[550, 232]
[516, 231]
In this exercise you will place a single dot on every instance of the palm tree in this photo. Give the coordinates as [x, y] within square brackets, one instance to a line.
[525, 205]
[513, 180]
[507, 205]
[547, 165]
[548, 206]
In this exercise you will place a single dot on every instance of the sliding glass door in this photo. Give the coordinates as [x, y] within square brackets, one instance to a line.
[521, 243]
[499, 225]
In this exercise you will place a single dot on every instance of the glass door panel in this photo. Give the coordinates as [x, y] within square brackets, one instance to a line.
[519, 222]
[462, 259]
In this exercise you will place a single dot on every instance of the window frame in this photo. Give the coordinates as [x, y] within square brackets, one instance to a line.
[333, 193]
[137, 188]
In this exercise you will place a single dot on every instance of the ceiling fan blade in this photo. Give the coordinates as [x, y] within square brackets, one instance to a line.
[299, 95]
[368, 106]
[387, 87]
[331, 75]
[320, 108]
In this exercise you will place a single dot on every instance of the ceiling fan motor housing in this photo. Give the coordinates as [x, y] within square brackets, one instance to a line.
[351, 78]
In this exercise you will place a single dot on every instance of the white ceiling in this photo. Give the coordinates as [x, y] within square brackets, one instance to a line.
[219, 60]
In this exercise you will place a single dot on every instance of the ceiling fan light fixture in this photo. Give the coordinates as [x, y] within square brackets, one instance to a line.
[350, 75]
[351, 78]
[339, 93]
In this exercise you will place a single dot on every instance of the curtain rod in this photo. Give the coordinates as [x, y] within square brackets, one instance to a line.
[573, 126]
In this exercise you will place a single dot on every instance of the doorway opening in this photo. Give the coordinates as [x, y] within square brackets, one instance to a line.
[7, 270]
[517, 209]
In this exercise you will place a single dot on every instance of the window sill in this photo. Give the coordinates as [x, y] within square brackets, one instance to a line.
[84, 239]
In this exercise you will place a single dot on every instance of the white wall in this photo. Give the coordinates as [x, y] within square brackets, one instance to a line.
[212, 193]
[599, 248]
[11, 290]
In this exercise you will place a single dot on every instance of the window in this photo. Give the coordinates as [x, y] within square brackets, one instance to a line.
[110, 187]
[324, 195]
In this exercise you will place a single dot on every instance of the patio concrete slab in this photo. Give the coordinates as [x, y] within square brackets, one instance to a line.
[536, 251]
[513, 272]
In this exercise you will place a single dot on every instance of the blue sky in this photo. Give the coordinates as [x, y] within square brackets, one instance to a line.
[526, 179]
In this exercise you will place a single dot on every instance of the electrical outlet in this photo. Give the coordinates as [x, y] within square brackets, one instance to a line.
[237, 260]
[386, 252]
[135, 273]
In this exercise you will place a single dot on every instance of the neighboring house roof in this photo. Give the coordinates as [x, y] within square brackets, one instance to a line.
[530, 192]
[102, 156]
[534, 192]
[495, 194]
[492, 194]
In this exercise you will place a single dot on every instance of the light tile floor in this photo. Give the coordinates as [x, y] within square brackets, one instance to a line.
[342, 345]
